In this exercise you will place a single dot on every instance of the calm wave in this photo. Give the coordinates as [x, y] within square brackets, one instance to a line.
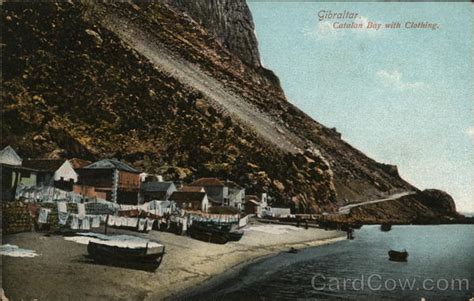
[440, 267]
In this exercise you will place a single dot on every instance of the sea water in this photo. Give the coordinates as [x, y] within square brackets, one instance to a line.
[440, 266]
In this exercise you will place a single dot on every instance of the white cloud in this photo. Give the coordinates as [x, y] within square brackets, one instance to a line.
[470, 132]
[323, 31]
[394, 79]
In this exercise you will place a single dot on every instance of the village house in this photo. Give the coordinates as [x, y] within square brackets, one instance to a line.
[9, 156]
[38, 172]
[79, 163]
[53, 172]
[190, 200]
[152, 187]
[216, 191]
[252, 205]
[13, 174]
[236, 195]
[189, 188]
[111, 180]
[255, 205]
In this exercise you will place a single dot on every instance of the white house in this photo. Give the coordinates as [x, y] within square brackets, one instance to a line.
[10, 157]
[236, 195]
[66, 173]
[190, 200]
[51, 172]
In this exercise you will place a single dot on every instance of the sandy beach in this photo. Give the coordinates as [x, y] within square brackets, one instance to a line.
[61, 272]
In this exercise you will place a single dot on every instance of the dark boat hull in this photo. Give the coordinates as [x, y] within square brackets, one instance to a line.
[208, 236]
[235, 235]
[397, 256]
[125, 257]
[215, 233]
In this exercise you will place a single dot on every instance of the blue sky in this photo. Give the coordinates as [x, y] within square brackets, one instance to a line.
[402, 96]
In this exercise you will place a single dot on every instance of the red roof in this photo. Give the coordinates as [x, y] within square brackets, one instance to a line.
[187, 196]
[207, 182]
[43, 164]
[78, 163]
[233, 185]
[191, 188]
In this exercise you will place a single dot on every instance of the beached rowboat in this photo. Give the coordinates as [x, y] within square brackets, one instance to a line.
[136, 258]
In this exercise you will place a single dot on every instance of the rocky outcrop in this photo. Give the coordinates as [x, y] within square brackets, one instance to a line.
[230, 21]
[74, 87]
[437, 200]
[429, 206]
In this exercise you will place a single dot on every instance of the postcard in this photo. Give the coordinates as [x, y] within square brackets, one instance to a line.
[237, 150]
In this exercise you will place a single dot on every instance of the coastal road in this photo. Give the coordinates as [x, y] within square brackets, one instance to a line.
[347, 209]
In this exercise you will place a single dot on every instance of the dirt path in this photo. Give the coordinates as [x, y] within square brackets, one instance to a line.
[347, 209]
[191, 75]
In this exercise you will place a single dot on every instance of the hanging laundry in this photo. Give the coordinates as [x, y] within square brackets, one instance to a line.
[74, 222]
[86, 224]
[141, 224]
[81, 210]
[118, 221]
[43, 215]
[96, 221]
[149, 224]
[132, 222]
[63, 217]
[111, 221]
[184, 226]
[123, 221]
[62, 207]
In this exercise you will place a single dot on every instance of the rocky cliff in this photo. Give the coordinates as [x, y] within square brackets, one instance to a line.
[174, 87]
[423, 207]
[231, 23]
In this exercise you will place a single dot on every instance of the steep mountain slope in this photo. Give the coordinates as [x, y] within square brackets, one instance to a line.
[146, 82]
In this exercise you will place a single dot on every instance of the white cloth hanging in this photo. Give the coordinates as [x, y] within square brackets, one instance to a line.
[81, 210]
[95, 221]
[184, 226]
[124, 221]
[86, 224]
[141, 224]
[62, 218]
[43, 215]
[111, 221]
[132, 222]
[149, 224]
[74, 222]
[62, 207]
[118, 221]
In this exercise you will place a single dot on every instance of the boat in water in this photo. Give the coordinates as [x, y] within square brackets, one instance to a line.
[397, 255]
[135, 258]
[385, 227]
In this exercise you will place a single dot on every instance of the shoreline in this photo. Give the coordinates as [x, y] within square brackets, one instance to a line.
[210, 282]
[252, 255]
[66, 273]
